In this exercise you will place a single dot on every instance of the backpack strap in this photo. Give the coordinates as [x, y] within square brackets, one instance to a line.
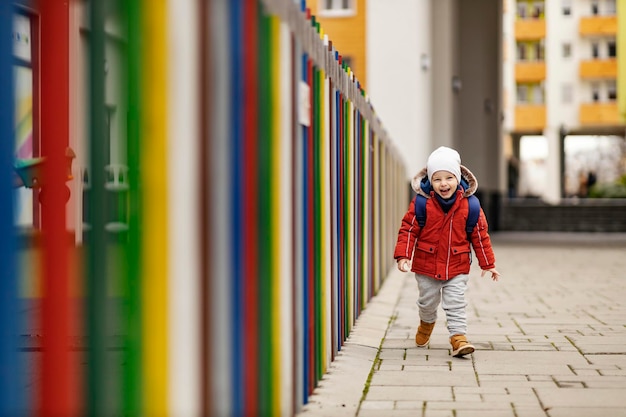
[420, 209]
[472, 215]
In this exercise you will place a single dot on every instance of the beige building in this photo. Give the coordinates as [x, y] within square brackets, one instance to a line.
[560, 85]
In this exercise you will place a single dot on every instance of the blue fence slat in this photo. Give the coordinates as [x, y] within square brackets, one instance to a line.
[11, 387]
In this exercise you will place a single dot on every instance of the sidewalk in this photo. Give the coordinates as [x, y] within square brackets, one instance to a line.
[550, 340]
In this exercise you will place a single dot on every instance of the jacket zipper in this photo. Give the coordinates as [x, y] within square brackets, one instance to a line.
[449, 246]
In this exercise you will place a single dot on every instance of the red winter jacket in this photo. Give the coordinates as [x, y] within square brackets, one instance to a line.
[441, 250]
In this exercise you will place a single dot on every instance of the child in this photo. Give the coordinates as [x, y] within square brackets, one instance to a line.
[440, 251]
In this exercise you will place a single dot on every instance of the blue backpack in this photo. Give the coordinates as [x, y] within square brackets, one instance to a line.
[472, 215]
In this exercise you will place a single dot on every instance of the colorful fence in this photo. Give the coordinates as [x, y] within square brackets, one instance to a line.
[255, 214]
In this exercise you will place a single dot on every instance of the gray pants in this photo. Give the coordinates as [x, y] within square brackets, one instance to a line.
[451, 294]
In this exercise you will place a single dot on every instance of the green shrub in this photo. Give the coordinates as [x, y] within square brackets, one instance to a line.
[613, 190]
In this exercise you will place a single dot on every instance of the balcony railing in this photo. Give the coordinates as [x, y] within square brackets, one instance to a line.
[599, 114]
[530, 72]
[530, 29]
[598, 69]
[598, 26]
[530, 117]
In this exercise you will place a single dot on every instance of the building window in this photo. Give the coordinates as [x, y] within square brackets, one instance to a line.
[566, 6]
[537, 92]
[521, 10]
[530, 94]
[537, 10]
[522, 94]
[610, 7]
[521, 52]
[612, 91]
[567, 50]
[595, 50]
[595, 93]
[336, 7]
[539, 55]
[530, 51]
[612, 49]
[595, 10]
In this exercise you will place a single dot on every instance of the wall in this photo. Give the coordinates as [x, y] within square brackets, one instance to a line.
[396, 38]
[445, 66]
[479, 118]
[590, 215]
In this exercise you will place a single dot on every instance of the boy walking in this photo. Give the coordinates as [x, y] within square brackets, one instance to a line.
[439, 252]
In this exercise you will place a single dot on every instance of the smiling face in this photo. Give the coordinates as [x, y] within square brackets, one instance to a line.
[444, 184]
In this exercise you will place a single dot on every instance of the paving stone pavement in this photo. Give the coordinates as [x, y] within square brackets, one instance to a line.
[550, 340]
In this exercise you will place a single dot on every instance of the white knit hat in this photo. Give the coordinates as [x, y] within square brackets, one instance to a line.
[444, 159]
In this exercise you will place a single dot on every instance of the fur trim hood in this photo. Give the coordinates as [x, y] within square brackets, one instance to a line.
[421, 179]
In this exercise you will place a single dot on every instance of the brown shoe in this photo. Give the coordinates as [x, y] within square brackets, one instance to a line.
[460, 345]
[422, 337]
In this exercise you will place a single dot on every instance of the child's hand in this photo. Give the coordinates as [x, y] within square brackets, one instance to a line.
[404, 265]
[495, 275]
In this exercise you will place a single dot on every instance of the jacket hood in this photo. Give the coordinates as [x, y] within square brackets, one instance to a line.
[421, 185]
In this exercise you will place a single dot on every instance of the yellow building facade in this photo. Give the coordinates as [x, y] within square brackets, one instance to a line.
[344, 22]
